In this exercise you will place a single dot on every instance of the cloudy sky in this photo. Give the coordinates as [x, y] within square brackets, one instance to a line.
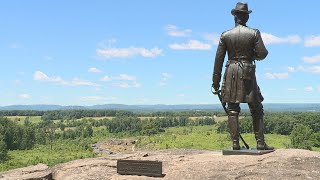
[148, 52]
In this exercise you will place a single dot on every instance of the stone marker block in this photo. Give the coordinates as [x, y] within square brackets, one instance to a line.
[139, 167]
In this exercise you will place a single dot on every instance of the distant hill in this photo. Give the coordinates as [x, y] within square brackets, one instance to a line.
[40, 107]
[305, 107]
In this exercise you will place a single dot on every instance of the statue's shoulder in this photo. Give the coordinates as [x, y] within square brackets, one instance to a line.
[227, 33]
[253, 30]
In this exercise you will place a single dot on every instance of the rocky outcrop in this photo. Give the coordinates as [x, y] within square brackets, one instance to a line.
[37, 172]
[188, 164]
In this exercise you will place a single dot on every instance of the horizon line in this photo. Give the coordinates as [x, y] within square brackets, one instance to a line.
[151, 104]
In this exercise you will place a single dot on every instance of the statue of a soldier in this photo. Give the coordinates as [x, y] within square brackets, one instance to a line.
[244, 45]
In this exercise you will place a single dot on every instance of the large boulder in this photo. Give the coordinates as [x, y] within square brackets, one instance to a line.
[36, 172]
[186, 164]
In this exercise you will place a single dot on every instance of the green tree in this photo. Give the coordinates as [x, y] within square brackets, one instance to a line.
[3, 150]
[301, 136]
[222, 127]
[316, 139]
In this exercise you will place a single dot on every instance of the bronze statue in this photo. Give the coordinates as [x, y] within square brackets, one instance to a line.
[244, 45]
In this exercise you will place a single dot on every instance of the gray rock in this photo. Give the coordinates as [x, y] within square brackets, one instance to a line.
[185, 164]
[36, 172]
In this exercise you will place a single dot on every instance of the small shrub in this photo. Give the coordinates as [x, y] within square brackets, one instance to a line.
[301, 137]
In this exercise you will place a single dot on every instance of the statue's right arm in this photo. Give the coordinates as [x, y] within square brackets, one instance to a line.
[260, 50]
[218, 63]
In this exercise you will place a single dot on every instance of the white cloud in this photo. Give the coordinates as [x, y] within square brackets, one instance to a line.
[136, 84]
[108, 53]
[269, 76]
[174, 31]
[296, 69]
[308, 88]
[310, 69]
[143, 100]
[94, 70]
[106, 78]
[191, 45]
[312, 59]
[80, 82]
[126, 77]
[40, 76]
[311, 41]
[130, 81]
[272, 39]
[292, 89]
[314, 69]
[276, 75]
[133, 84]
[123, 77]
[164, 78]
[106, 43]
[181, 95]
[97, 98]
[291, 69]
[48, 58]
[24, 96]
[121, 85]
[214, 38]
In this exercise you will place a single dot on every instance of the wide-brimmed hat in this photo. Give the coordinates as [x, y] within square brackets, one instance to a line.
[241, 7]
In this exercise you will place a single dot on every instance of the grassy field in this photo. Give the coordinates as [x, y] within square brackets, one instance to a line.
[202, 137]
[224, 118]
[21, 119]
[62, 151]
[37, 119]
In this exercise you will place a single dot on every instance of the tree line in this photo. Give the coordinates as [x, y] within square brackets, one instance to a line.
[82, 113]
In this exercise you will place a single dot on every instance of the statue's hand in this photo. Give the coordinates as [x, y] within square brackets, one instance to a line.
[216, 88]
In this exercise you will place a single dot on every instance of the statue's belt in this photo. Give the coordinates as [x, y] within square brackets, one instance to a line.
[242, 59]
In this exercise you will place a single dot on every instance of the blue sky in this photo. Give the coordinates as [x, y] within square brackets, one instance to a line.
[148, 52]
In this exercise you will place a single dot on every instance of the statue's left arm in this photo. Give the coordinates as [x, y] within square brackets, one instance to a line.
[220, 55]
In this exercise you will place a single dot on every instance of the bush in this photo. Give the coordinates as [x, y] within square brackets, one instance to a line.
[222, 127]
[301, 137]
[316, 139]
[3, 151]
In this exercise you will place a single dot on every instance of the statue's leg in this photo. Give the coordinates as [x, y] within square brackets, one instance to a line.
[233, 124]
[257, 114]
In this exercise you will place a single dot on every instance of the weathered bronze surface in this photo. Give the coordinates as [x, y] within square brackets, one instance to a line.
[246, 152]
[243, 45]
[139, 167]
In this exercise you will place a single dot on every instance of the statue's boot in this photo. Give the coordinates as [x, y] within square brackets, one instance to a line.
[258, 128]
[233, 124]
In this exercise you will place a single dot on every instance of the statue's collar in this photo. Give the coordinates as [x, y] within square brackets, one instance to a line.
[241, 25]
